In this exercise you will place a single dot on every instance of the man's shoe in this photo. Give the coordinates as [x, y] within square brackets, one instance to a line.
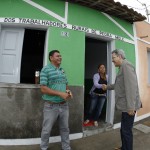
[95, 123]
[118, 148]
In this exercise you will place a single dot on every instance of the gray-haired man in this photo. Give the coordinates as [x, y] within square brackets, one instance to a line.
[126, 96]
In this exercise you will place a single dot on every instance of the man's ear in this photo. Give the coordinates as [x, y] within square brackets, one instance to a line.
[120, 56]
[51, 57]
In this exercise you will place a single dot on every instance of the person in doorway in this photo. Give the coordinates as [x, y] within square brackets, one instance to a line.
[53, 84]
[98, 95]
[126, 96]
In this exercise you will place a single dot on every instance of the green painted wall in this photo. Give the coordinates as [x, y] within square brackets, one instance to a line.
[87, 17]
[53, 5]
[128, 26]
[72, 48]
[20, 9]
[77, 15]
[129, 50]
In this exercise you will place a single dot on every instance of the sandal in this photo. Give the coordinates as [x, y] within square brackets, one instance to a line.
[86, 121]
[95, 123]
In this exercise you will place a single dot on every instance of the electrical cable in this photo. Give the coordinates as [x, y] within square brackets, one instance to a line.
[145, 7]
[143, 4]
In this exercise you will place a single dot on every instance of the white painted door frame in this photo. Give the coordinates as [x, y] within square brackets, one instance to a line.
[111, 71]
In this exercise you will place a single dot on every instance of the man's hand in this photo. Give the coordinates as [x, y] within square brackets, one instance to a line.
[64, 96]
[131, 112]
[104, 87]
[69, 93]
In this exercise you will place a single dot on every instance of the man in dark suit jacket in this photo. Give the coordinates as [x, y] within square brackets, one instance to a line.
[127, 97]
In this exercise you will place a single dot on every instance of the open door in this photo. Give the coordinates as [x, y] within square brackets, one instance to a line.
[11, 41]
[95, 54]
[32, 54]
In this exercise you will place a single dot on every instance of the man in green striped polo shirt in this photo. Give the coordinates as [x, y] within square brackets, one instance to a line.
[53, 83]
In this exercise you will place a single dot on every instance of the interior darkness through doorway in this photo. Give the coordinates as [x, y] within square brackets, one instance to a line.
[95, 53]
[32, 55]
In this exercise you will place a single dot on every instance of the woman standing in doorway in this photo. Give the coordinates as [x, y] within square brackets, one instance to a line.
[98, 95]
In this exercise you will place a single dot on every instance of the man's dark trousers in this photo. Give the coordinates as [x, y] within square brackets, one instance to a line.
[126, 131]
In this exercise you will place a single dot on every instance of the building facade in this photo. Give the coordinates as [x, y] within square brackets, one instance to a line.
[143, 46]
[85, 37]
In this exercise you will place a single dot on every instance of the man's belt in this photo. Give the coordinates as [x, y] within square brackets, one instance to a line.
[63, 102]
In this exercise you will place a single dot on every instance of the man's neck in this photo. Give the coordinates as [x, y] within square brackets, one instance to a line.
[56, 65]
[121, 61]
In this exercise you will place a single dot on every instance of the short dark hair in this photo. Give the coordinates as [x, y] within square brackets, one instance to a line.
[51, 53]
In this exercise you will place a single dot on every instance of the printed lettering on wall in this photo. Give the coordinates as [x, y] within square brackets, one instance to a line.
[63, 25]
